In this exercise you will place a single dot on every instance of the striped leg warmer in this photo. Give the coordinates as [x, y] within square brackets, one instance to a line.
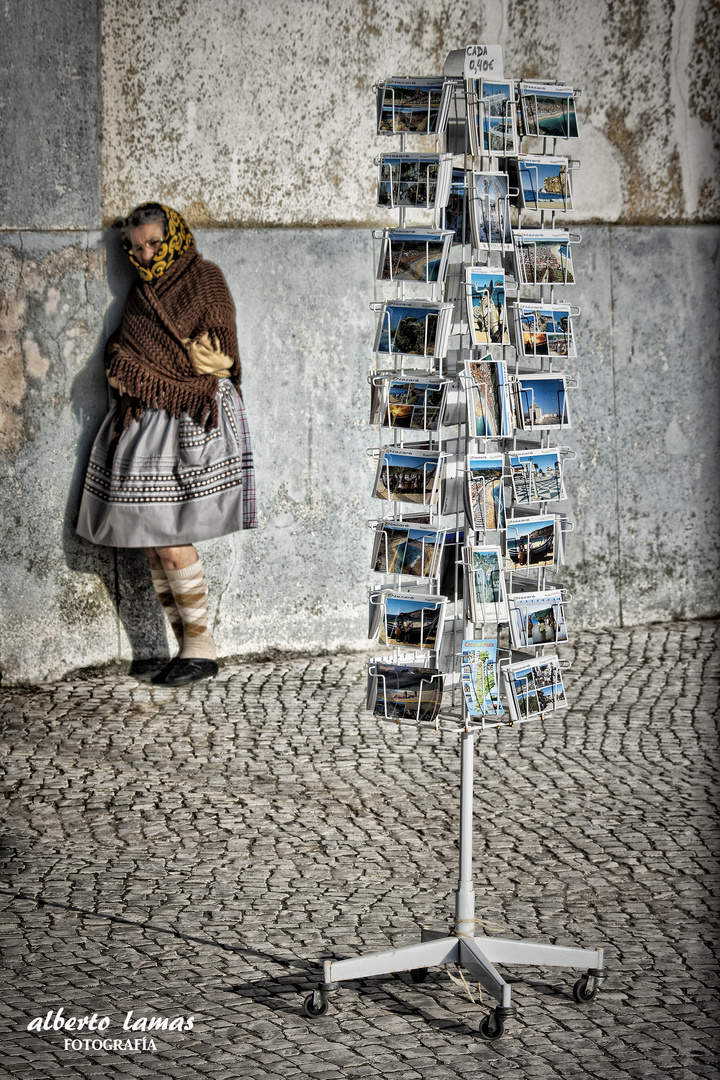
[165, 596]
[190, 593]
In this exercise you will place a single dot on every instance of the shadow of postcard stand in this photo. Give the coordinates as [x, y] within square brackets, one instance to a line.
[123, 571]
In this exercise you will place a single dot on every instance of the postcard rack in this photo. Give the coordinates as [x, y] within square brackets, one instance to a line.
[466, 461]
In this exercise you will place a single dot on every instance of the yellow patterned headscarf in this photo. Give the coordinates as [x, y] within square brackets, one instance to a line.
[178, 239]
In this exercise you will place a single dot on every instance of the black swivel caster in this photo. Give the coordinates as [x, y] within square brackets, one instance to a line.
[587, 986]
[315, 1004]
[491, 1027]
[419, 975]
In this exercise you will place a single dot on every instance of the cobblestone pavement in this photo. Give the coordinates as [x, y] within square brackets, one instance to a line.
[200, 852]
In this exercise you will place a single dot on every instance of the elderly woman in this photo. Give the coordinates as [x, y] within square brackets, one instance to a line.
[172, 463]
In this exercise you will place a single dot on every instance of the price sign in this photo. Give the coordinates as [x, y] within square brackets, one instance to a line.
[483, 61]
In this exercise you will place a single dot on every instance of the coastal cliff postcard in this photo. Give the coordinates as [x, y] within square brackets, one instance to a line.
[537, 475]
[536, 618]
[485, 492]
[418, 106]
[491, 117]
[405, 548]
[533, 542]
[486, 585]
[408, 475]
[417, 181]
[413, 327]
[544, 182]
[404, 401]
[490, 211]
[403, 691]
[540, 401]
[487, 397]
[544, 329]
[548, 110]
[407, 620]
[543, 256]
[486, 307]
[479, 677]
[414, 255]
[534, 687]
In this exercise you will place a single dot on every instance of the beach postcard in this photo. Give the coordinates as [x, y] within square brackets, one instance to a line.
[414, 255]
[537, 475]
[548, 110]
[534, 687]
[411, 621]
[487, 396]
[532, 542]
[496, 118]
[545, 329]
[418, 106]
[541, 401]
[411, 476]
[488, 602]
[485, 491]
[536, 618]
[543, 257]
[490, 211]
[479, 677]
[404, 691]
[406, 548]
[408, 402]
[544, 182]
[486, 308]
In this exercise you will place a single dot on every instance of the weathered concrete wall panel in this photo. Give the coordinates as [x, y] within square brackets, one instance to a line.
[50, 114]
[265, 115]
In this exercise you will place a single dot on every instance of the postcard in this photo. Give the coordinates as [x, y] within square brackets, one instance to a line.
[486, 309]
[414, 255]
[456, 208]
[405, 401]
[488, 602]
[534, 687]
[487, 396]
[544, 182]
[548, 110]
[496, 117]
[537, 475]
[403, 691]
[418, 105]
[410, 621]
[451, 565]
[408, 475]
[543, 257]
[490, 211]
[480, 677]
[533, 541]
[540, 401]
[413, 327]
[536, 618]
[419, 181]
[544, 329]
[404, 548]
[485, 491]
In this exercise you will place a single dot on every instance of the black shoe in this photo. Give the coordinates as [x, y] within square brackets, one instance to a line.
[187, 670]
[159, 677]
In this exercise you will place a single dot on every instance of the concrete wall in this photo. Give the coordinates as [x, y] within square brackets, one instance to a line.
[258, 125]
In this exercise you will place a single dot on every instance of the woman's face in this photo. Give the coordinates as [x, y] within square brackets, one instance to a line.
[145, 241]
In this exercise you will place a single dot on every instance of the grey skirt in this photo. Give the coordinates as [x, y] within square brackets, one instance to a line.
[170, 482]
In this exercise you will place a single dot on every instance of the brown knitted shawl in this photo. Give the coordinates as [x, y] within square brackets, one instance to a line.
[147, 356]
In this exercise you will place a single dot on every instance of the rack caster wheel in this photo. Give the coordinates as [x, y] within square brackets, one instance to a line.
[491, 1027]
[315, 1005]
[585, 989]
[419, 975]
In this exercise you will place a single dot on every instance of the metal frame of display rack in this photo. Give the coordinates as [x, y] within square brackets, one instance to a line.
[477, 955]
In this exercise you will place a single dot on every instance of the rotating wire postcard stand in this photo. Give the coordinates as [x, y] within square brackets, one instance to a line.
[469, 664]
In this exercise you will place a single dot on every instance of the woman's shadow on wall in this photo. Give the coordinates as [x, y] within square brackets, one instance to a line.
[123, 571]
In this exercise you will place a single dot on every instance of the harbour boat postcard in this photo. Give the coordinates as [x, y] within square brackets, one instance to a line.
[543, 257]
[548, 110]
[536, 618]
[540, 401]
[418, 106]
[490, 211]
[487, 397]
[497, 133]
[544, 329]
[534, 687]
[485, 491]
[408, 475]
[479, 677]
[414, 255]
[537, 475]
[408, 402]
[404, 691]
[486, 585]
[404, 548]
[413, 327]
[419, 181]
[486, 308]
[533, 542]
[544, 182]
[408, 620]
